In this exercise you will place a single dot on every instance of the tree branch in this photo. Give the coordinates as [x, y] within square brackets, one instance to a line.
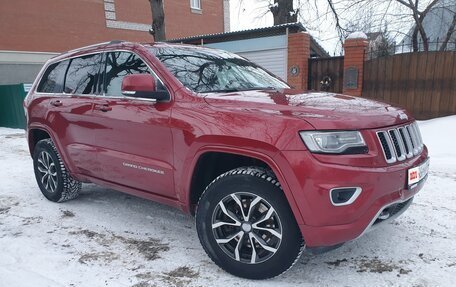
[449, 33]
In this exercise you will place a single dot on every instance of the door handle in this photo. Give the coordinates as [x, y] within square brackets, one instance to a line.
[103, 108]
[56, 103]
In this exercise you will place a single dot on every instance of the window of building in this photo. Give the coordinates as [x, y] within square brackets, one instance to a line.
[195, 4]
[52, 80]
[83, 75]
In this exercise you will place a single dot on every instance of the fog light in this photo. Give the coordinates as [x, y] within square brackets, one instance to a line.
[344, 195]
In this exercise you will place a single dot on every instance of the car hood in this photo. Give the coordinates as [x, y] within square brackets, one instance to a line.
[320, 109]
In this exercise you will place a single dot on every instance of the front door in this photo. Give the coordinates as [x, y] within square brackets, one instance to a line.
[133, 134]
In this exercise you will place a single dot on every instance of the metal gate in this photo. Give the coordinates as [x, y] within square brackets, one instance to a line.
[326, 74]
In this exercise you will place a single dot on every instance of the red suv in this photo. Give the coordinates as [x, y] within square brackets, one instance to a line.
[266, 170]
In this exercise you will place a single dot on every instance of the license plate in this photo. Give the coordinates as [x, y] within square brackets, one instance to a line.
[417, 173]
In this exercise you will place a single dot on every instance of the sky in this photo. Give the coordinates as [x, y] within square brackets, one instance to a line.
[318, 19]
[248, 14]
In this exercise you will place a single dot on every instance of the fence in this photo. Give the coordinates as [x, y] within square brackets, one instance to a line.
[383, 51]
[326, 74]
[11, 109]
[422, 82]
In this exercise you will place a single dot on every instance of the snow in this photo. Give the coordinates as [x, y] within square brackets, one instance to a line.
[357, 35]
[442, 152]
[106, 238]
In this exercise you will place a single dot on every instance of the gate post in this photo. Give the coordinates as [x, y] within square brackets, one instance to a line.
[298, 59]
[355, 47]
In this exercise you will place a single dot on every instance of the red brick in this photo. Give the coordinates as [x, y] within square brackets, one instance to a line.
[355, 51]
[56, 26]
[298, 55]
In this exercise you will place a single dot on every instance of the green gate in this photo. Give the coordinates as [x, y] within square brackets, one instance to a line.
[11, 109]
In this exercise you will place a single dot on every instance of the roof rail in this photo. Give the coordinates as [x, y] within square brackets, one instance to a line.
[86, 47]
[116, 41]
[94, 46]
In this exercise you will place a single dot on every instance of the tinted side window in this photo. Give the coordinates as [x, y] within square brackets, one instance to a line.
[52, 80]
[83, 74]
[120, 64]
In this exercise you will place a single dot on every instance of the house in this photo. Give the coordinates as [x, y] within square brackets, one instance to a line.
[374, 39]
[379, 45]
[34, 31]
[436, 24]
[267, 47]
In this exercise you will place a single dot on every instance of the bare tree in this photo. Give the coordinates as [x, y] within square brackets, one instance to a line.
[283, 12]
[418, 17]
[158, 20]
[417, 9]
[450, 32]
[323, 17]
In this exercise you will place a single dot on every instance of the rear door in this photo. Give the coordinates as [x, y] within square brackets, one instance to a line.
[70, 109]
[134, 137]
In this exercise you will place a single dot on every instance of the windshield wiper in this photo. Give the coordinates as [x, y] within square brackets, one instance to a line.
[238, 90]
[221, 91]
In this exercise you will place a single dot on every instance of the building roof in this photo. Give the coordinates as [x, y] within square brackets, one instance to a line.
[316, 49]
[371, 36]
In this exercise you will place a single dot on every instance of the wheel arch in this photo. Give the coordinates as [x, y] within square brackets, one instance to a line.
[198, 179]
[37, 132]
[34, 135]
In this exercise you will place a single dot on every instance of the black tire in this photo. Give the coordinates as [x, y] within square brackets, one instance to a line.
[59, 186]
[248, 182]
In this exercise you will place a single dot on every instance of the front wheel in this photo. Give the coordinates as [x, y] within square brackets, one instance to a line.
[246, 226]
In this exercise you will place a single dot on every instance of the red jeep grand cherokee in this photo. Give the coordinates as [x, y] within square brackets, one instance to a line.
[267, 170]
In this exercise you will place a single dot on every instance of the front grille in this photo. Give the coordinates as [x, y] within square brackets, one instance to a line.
[401, 143]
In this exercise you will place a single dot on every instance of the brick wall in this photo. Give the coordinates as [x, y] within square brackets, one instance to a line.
[182, 22]
[56, 26]
[298, 59]
[355, 55]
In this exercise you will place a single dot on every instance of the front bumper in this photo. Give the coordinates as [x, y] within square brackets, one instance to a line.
[325, 224]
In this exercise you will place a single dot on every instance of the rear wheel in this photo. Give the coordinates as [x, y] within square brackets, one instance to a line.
[52, 177]
[246, 226]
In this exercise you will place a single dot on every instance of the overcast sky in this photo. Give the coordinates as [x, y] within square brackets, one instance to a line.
[248, 14]
[318, 19]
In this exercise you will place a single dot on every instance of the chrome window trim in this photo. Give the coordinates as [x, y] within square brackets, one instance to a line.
[128, 92]
[59, 61]
[129, 98]
[103, 95]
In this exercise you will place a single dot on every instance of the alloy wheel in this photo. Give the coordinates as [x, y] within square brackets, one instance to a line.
[48, 171]
[247, 227]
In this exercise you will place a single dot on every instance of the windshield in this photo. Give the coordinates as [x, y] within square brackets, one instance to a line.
[208, 70]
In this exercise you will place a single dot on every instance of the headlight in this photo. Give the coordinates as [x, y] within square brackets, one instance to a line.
[342, 142]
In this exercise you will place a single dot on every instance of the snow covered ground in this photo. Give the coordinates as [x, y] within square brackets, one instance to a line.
[106, 238]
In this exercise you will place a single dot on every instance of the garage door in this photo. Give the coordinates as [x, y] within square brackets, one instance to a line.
[270, 53]
[272, 60]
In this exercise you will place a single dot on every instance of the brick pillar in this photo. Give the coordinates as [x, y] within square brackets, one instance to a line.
[298, 59]
[355, 47]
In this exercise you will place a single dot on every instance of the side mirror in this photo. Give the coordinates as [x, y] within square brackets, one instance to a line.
[142, 86]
